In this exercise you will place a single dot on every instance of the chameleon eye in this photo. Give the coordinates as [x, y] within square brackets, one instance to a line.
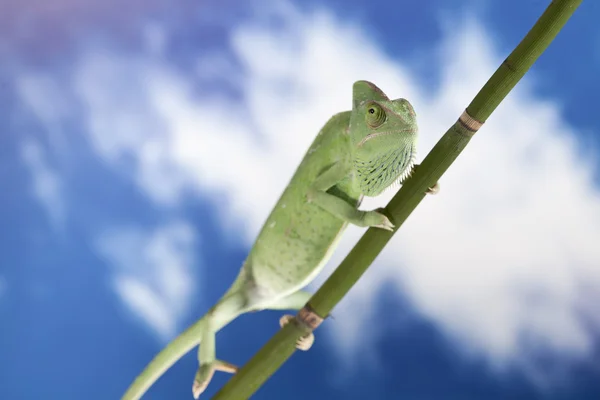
[375, 115]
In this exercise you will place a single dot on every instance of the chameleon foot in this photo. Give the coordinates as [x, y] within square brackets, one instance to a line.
[305, 342]
[432, 190]
[377, 219]
[206, 372]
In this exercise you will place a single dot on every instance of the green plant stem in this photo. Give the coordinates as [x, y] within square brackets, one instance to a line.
[282, 345]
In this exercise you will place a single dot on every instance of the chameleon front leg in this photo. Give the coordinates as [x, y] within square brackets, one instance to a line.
[317, 194]
[294, 301]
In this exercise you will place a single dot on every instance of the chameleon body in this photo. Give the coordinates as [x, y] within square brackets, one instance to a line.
[359, 152]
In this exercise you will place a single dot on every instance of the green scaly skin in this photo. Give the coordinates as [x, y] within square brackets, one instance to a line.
[359, 152]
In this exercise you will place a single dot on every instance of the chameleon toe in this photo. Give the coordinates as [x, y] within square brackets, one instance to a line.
[305, 342]
[434, 190]
[224, 366]
[197, 389]
[202, 379]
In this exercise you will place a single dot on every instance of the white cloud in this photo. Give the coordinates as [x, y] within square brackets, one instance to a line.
[118, 98]
[503, 261]
[152, 272]
[46, 182]
[48, 102]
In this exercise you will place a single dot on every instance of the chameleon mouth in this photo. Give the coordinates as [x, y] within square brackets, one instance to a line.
[384, 133]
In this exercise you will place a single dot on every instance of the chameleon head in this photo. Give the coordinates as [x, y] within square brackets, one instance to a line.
[384, 138]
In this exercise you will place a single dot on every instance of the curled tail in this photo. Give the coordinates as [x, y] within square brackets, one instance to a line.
[176, 349]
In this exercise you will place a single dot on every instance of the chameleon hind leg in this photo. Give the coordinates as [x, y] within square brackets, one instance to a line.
[295, 301]
[220, 315]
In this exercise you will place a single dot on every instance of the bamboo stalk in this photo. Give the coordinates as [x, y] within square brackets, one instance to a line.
[282, 345]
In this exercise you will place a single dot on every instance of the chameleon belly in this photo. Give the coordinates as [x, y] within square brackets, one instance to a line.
[299, 237]
[291, 252]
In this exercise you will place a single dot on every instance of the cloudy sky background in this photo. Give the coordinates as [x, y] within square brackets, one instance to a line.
[143, 145]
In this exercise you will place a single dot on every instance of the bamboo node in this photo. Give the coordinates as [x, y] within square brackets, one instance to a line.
[308, 318]
[470, 123]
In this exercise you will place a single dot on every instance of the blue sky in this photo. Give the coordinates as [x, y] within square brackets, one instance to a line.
[144, 143]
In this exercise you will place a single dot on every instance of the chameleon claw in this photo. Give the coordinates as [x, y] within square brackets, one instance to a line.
[305, 342]
[388, 226]
[385, 221]
[377, 219]
[434, 190]
[202, 379]
[224, 366]
[197, 389]
[206, 372]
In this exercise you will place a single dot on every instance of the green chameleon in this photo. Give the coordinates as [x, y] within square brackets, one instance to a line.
[357, 153]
